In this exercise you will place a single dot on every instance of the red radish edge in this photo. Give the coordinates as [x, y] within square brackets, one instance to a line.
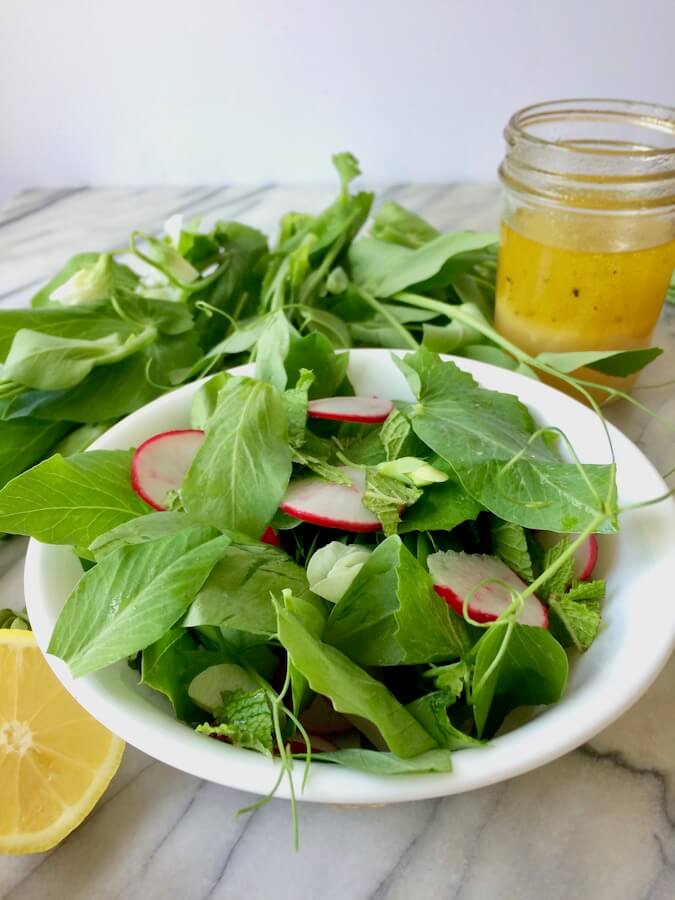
[585, 557]
[321, 502]
[350, 409]
[136, 461]
[270, 537]
[459, 569]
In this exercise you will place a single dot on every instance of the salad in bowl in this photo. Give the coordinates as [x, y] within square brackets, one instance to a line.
[374, 562]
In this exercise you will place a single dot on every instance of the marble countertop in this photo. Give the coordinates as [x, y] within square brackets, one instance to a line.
[598, 823]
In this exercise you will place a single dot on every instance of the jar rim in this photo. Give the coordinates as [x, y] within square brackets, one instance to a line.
[654, 117]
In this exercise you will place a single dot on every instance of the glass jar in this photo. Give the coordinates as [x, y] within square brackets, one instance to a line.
[588, 226]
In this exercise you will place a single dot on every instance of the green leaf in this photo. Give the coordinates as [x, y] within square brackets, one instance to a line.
[78, 440]
[145, 528]
[440, 508]
[509, 543]
[48, 362]
[497, 357]
[385, 269]
[391, 615]
[71, 501]
[25, 442]
[378, 762]
[73, 322]
[450, 679]
[327, 471]
[238, 592]
[314, 352]
[205, 400]
[169, 666]
[241, 471]
[487, 439]
[575, 616]
[454, 336]
[557, 583]
[131, 598]
[167, 316]
[610, 362]
[350, 689]
[246, 720]
[398, 225]
[112, 391]
[385, 496]
[271, 351]
[516, 665]
[74, 265]
[431, 711]
[12, 620]
[347, 166]
[394, 434]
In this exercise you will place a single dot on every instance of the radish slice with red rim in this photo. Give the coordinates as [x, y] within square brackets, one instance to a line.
[160, 464]
[456, 575]
[585, 556]
[332, 505]
[350, 409]
[270, 537]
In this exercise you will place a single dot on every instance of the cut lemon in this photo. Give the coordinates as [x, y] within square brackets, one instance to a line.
[55, 759]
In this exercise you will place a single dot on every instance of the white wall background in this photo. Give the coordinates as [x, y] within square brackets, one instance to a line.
[212, 91]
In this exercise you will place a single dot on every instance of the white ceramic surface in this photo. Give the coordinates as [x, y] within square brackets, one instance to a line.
[636, 641]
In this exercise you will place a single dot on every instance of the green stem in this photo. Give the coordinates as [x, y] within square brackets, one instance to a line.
[374, 304]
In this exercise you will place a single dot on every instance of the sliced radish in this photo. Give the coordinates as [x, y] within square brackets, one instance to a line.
[270, 537]
[331, 505]
[350, 409]
[585, 556]
[456, 574]
[160, 463]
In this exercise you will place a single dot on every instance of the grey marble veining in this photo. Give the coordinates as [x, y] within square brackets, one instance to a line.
[598, 823]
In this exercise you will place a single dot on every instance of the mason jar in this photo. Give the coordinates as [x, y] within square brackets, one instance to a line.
[588, 225]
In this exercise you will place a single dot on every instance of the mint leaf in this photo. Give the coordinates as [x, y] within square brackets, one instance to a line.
[385, 497]
[576, 616]
[451, 678]
[509, 543]
[394, 433]
[320, 467]
[245, 719]
[558, 583]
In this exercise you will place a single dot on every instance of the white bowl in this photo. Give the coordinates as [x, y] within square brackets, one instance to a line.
[635, 643]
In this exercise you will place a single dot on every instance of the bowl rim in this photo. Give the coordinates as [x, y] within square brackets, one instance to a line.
[547, 736]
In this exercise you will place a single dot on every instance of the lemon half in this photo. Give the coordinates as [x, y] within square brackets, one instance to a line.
[55, 759]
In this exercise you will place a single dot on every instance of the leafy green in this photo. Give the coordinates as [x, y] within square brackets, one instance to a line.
[509, 543]
[245, 720]
[314, 352]
[132, 597]
[431, 712]
[73, 322]
[171, 663]
[207, 687]
[138, 531]
[379, 762]
[78, 440]
[440, 508]
[24, 442]
[398, 225]
[384, 269]
[350, 688]
[557, 583]
[386, 496]
[71, 501]
[241, 471]
[391, 615]
[238, 592]
[575, 616]
[11, 619]
[394, 434]
[488, 439]
[610, 362]
[451, 678]
[271, 351]
[516, 665]
[48, 362]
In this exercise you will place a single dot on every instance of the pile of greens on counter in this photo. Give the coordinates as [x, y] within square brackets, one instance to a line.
[112, 331]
